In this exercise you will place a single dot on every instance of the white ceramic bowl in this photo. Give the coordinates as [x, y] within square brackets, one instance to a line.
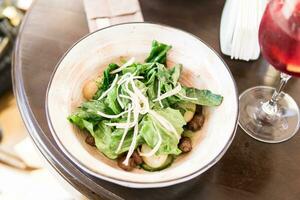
[202, 68]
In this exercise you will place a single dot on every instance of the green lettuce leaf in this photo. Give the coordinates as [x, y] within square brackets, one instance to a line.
[116, 138]
[87, 112]
[175, 73]
[204, 97]
[140, 85]
[150, 126]
[152, 92]
[111, 101]
[103, 140]
[174, 117]
[107, 140]
[77, 120]
[158, 53]
[106, 80]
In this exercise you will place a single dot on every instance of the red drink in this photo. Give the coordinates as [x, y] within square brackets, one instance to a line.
[263, 110]
[279, 36]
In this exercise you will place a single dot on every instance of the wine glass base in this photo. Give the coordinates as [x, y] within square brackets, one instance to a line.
[283, 125]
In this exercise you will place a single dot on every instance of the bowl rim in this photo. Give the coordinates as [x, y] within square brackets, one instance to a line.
[134, 183]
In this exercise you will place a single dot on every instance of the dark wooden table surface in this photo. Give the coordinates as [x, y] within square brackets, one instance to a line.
[249, 169]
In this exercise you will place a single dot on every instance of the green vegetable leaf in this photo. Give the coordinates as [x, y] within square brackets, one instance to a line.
[116, 138]
[204, 97]
[103, 139]
[174, 117]
[150, 128]
[111, 101]
[158, 52]
[175, 73]
[140, 85]
[152, 90]
[163, 74]
[77, 120]
[87, 112]
[107, 140]
[82, 123]
[106, 80]
[130, 69]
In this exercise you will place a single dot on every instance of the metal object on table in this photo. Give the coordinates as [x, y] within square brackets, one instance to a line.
[249, 169]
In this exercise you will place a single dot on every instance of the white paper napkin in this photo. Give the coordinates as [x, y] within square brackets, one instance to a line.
[239, 28]
[103, 13]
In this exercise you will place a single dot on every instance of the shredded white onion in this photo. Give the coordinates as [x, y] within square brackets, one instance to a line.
[158, 95]
[128, 63]
[118, 98]
[132, 145]
[133, 97]
[127, 76]
[169, 93]
[124, 78]
[110, 88]
[121, 125]
[141, 97]
[136, 97]
[124, 96]
[125, 132]
[139, 105]
[137, 77]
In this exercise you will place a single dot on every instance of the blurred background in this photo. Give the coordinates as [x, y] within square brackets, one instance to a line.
[22, 171]
[11, 14]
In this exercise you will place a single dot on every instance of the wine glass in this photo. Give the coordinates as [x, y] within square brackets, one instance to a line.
[268, 114]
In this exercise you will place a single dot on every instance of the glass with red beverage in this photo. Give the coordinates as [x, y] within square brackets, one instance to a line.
[268, 114]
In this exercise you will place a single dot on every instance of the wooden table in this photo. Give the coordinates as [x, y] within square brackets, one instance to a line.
[249, 170]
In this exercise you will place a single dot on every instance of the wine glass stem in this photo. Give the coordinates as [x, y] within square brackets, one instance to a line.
[270, 107]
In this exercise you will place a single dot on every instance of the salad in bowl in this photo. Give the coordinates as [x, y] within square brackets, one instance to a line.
[139, 114]
[142, 105]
